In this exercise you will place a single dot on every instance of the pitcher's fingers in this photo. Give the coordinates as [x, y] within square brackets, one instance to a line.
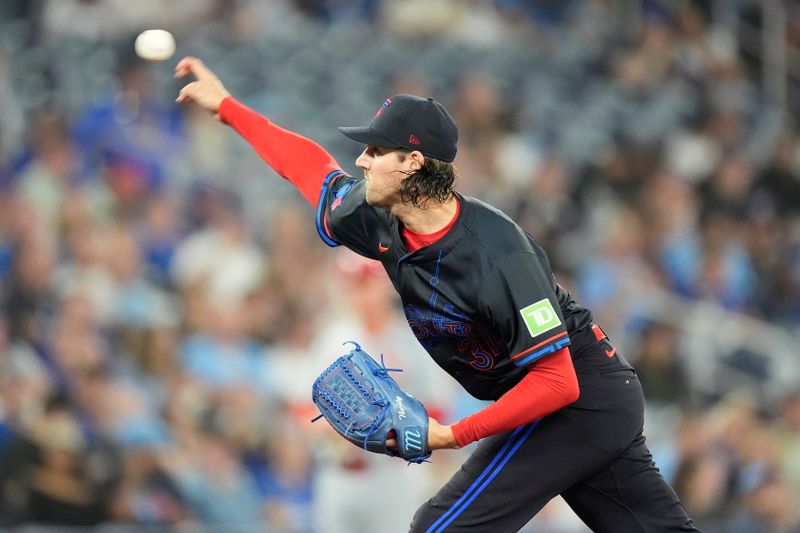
[186, 93]
[194, 66]
[183, 67]
[188, 65]
[391, 439]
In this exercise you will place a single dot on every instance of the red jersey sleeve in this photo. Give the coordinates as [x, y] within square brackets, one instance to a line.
[549, 385]
[297, 159]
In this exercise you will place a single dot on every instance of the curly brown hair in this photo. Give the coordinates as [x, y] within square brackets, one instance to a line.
[434, 180]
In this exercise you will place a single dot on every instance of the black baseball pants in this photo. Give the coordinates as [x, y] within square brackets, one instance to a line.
[592, 453]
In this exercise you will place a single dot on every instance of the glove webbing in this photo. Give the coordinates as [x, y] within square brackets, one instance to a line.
[336, 404]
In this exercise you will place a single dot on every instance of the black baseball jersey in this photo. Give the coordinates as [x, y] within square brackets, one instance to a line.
[482, 300]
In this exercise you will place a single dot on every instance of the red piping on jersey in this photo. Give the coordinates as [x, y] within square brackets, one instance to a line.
[325, 211]
[325, 224]
[544, 342]
[550, 385]
[297, 159]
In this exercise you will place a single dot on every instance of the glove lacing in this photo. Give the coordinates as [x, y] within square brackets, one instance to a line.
[382, 373]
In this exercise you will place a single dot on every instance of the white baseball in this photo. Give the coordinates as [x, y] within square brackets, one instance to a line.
[155, 45]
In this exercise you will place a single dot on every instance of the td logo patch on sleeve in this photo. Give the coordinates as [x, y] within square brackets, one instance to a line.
[540, 317]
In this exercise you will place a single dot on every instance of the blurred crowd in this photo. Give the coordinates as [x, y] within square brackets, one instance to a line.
[166, 303]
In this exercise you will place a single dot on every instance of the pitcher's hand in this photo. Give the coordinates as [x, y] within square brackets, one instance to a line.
[439, 437]
[206, 91]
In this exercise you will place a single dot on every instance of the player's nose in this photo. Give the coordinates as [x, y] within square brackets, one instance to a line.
[362, 161]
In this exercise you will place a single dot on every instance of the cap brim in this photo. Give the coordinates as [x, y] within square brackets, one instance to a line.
[366, 135]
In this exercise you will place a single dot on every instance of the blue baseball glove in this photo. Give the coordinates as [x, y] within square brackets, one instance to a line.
[365, 406]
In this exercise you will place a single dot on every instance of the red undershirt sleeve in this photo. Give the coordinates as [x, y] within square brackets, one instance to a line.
[297, 159]
[550, 384]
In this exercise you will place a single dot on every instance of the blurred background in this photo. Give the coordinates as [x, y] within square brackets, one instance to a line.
[166, 302]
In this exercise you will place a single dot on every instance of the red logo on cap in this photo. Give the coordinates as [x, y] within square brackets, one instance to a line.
[413, 139]
[382, 107]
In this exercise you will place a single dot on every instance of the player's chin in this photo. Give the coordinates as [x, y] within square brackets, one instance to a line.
[373, 199]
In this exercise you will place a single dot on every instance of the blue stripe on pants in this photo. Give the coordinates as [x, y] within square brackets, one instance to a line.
[490, 472]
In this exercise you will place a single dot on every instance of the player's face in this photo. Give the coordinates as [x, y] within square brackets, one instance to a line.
[383, 170]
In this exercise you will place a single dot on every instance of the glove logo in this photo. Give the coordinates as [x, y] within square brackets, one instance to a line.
[401, 411]
[413, 439]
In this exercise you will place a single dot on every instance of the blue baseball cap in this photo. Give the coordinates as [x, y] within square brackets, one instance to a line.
[413, 123]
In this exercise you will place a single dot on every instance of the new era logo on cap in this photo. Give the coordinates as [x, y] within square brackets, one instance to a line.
[410, 122]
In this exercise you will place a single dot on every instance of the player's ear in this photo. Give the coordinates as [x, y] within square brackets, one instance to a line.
[417, 160]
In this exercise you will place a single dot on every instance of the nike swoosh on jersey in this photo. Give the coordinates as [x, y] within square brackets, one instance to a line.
[610, 353]
[381, 248]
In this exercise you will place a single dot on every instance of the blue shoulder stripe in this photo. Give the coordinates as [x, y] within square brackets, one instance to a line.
[321, 229]
[551, 348]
